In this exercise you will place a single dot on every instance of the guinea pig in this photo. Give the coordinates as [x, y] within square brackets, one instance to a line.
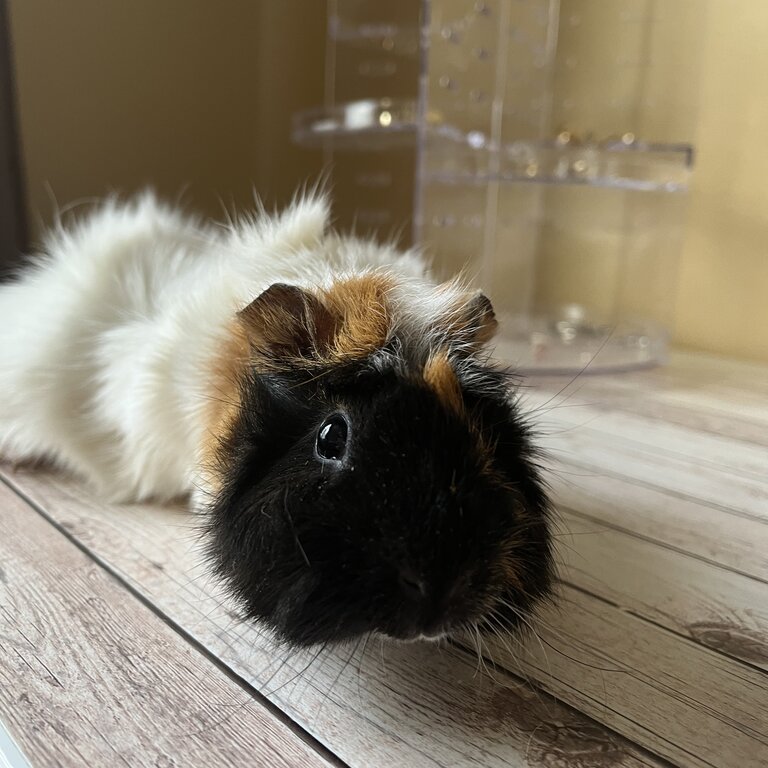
[360, 464]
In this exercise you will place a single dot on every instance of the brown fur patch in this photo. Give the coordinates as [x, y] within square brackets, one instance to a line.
[224, 399]
[441, 378]
[286, 324]
[364, 319]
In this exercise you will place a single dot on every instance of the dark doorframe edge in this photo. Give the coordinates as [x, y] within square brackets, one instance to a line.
[13, 224]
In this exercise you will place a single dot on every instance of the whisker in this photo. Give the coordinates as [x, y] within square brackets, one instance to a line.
[300, 673]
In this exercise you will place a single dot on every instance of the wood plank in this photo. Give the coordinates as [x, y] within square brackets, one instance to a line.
[714, 606]
[745, 496]
[654, 462]
[716, 388]
[711, 421]
[598, 421]
[729, 540]
[713, 395]
[90, 676]
[672, 484]
[695, 705]
[686, 371]
[374, 706]
[626, 645]
[746, 374]
[664, 710]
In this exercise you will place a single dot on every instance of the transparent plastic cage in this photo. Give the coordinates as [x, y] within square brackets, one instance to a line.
[540, 147]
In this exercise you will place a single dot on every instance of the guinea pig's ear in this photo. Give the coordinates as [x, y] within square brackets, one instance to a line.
[287, 322]
[472, 322]
[483, 321]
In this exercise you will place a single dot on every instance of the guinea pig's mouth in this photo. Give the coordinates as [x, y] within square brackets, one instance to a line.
[432, 630]
[417, 636]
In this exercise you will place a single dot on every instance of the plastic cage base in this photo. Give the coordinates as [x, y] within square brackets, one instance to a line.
[553, 345]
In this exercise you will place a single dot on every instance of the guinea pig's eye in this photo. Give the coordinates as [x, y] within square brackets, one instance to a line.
[331, 441]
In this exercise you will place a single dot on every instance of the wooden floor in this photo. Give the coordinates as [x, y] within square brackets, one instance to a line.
[116, 649]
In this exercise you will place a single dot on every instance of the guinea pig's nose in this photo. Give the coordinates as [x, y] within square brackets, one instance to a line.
[413, 585]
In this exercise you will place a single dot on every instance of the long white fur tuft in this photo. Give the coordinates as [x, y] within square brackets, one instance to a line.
[107, 340]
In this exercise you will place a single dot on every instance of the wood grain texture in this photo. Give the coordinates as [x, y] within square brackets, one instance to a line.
[715, 396]
[407, 705]
[89, 676]
[671, 484]
[597, 421]
[737, 495]
[733, 542]
[714, 606]
[660, 635]
[690, 704]
[718, 472]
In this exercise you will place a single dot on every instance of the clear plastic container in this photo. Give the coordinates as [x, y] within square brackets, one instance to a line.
[541, 147]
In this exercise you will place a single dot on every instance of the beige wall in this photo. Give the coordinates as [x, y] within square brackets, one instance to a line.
[117, 94]
[176, 94]
[723, 295]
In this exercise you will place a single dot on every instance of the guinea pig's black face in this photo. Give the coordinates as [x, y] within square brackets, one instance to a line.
[362, 498]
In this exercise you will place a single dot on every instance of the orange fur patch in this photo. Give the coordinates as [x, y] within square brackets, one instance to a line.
[224, 399]
[441, 378]
[287, 325]
[361, 306]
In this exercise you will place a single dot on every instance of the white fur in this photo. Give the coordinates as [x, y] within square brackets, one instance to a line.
[106, 342]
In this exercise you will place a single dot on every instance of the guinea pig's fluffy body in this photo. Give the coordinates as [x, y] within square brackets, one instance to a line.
[330, 410]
